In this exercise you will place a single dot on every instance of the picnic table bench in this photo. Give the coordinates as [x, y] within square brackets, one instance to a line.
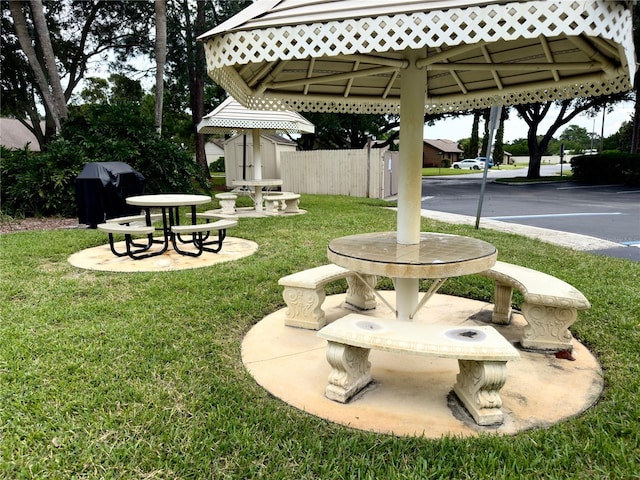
[200, 233]
[133, 248]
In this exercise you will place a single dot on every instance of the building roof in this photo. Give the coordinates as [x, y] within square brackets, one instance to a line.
[15, 135]
[444, 145]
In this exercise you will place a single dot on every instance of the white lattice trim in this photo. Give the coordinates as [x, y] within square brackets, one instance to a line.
[606, 24]
[284, 127]
[456, 26]
[470, 101]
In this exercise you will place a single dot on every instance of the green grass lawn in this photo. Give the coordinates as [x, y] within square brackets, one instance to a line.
[114, 375]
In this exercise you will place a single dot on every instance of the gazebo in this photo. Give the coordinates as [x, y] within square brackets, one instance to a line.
[231, 117]
[416, 56]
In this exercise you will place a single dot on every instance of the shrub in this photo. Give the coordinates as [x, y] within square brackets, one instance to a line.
[607, 167]
[217, 166]
[40, 183]
[44, 183]
[118, 133]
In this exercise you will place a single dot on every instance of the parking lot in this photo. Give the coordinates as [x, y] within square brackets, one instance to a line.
[609, 212]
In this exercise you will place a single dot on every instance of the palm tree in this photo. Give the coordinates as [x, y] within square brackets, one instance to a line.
[50, 86]
[161, 58]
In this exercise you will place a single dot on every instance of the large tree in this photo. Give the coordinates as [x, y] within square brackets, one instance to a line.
[635, 133]
[565, 111]
[47, 48]
[345, 131]
[41, 60]
[498, 143]
[187, 86]
[575, 138]
[161, 58]
[474, 143]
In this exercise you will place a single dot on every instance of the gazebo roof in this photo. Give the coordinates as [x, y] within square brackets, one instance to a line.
[349, 55]
[231, 117]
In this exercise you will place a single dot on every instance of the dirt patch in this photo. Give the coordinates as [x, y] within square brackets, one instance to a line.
[37, 223]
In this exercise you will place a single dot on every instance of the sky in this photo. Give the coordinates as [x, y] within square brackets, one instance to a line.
[515, 127]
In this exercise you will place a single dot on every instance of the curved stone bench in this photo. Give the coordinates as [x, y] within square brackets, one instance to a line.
[304, 294]
[550, 305]
[283, 202]
[482, 355]
[227, 202]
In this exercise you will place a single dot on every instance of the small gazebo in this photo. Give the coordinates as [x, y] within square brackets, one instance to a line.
[232, 118]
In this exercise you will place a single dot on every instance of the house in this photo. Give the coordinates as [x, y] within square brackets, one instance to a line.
[440, 153]
[14, 135]
[238, 156]
[213, 149]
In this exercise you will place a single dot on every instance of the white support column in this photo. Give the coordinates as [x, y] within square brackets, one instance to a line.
[412, 98]
[257, 156]
[257, 167]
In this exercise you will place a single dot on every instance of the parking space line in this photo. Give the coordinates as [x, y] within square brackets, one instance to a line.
[632, 243]
[552, 215]
[576, 187]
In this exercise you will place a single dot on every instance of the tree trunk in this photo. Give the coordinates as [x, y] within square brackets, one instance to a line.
[198, 106]
[474, 142]
[42, 31]
[498, 144]
[196, 67]
[161, 57]
[635, 131]
[535, 156]
[25, 43]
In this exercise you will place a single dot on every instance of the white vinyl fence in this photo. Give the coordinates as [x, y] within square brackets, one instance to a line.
[356, 173]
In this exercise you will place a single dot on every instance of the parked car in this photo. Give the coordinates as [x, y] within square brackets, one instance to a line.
[484, 159]
[472, 164]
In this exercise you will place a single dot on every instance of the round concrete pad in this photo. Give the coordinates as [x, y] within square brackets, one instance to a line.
[412, 395]
[250, 212]
[101, 258]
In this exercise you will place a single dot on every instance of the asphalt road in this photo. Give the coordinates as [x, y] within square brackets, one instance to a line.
[609, 212]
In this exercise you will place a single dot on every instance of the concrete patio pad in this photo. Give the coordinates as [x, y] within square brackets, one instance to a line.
[250, 212]
[101, 258]
[412, 395]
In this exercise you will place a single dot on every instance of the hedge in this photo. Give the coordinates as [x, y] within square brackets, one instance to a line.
[607, 167]
[43, 184]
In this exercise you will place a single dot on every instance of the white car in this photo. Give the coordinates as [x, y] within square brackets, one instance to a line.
[472, 164]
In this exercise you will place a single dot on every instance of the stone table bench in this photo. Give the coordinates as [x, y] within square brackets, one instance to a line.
[550, 305]
[482, 355]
